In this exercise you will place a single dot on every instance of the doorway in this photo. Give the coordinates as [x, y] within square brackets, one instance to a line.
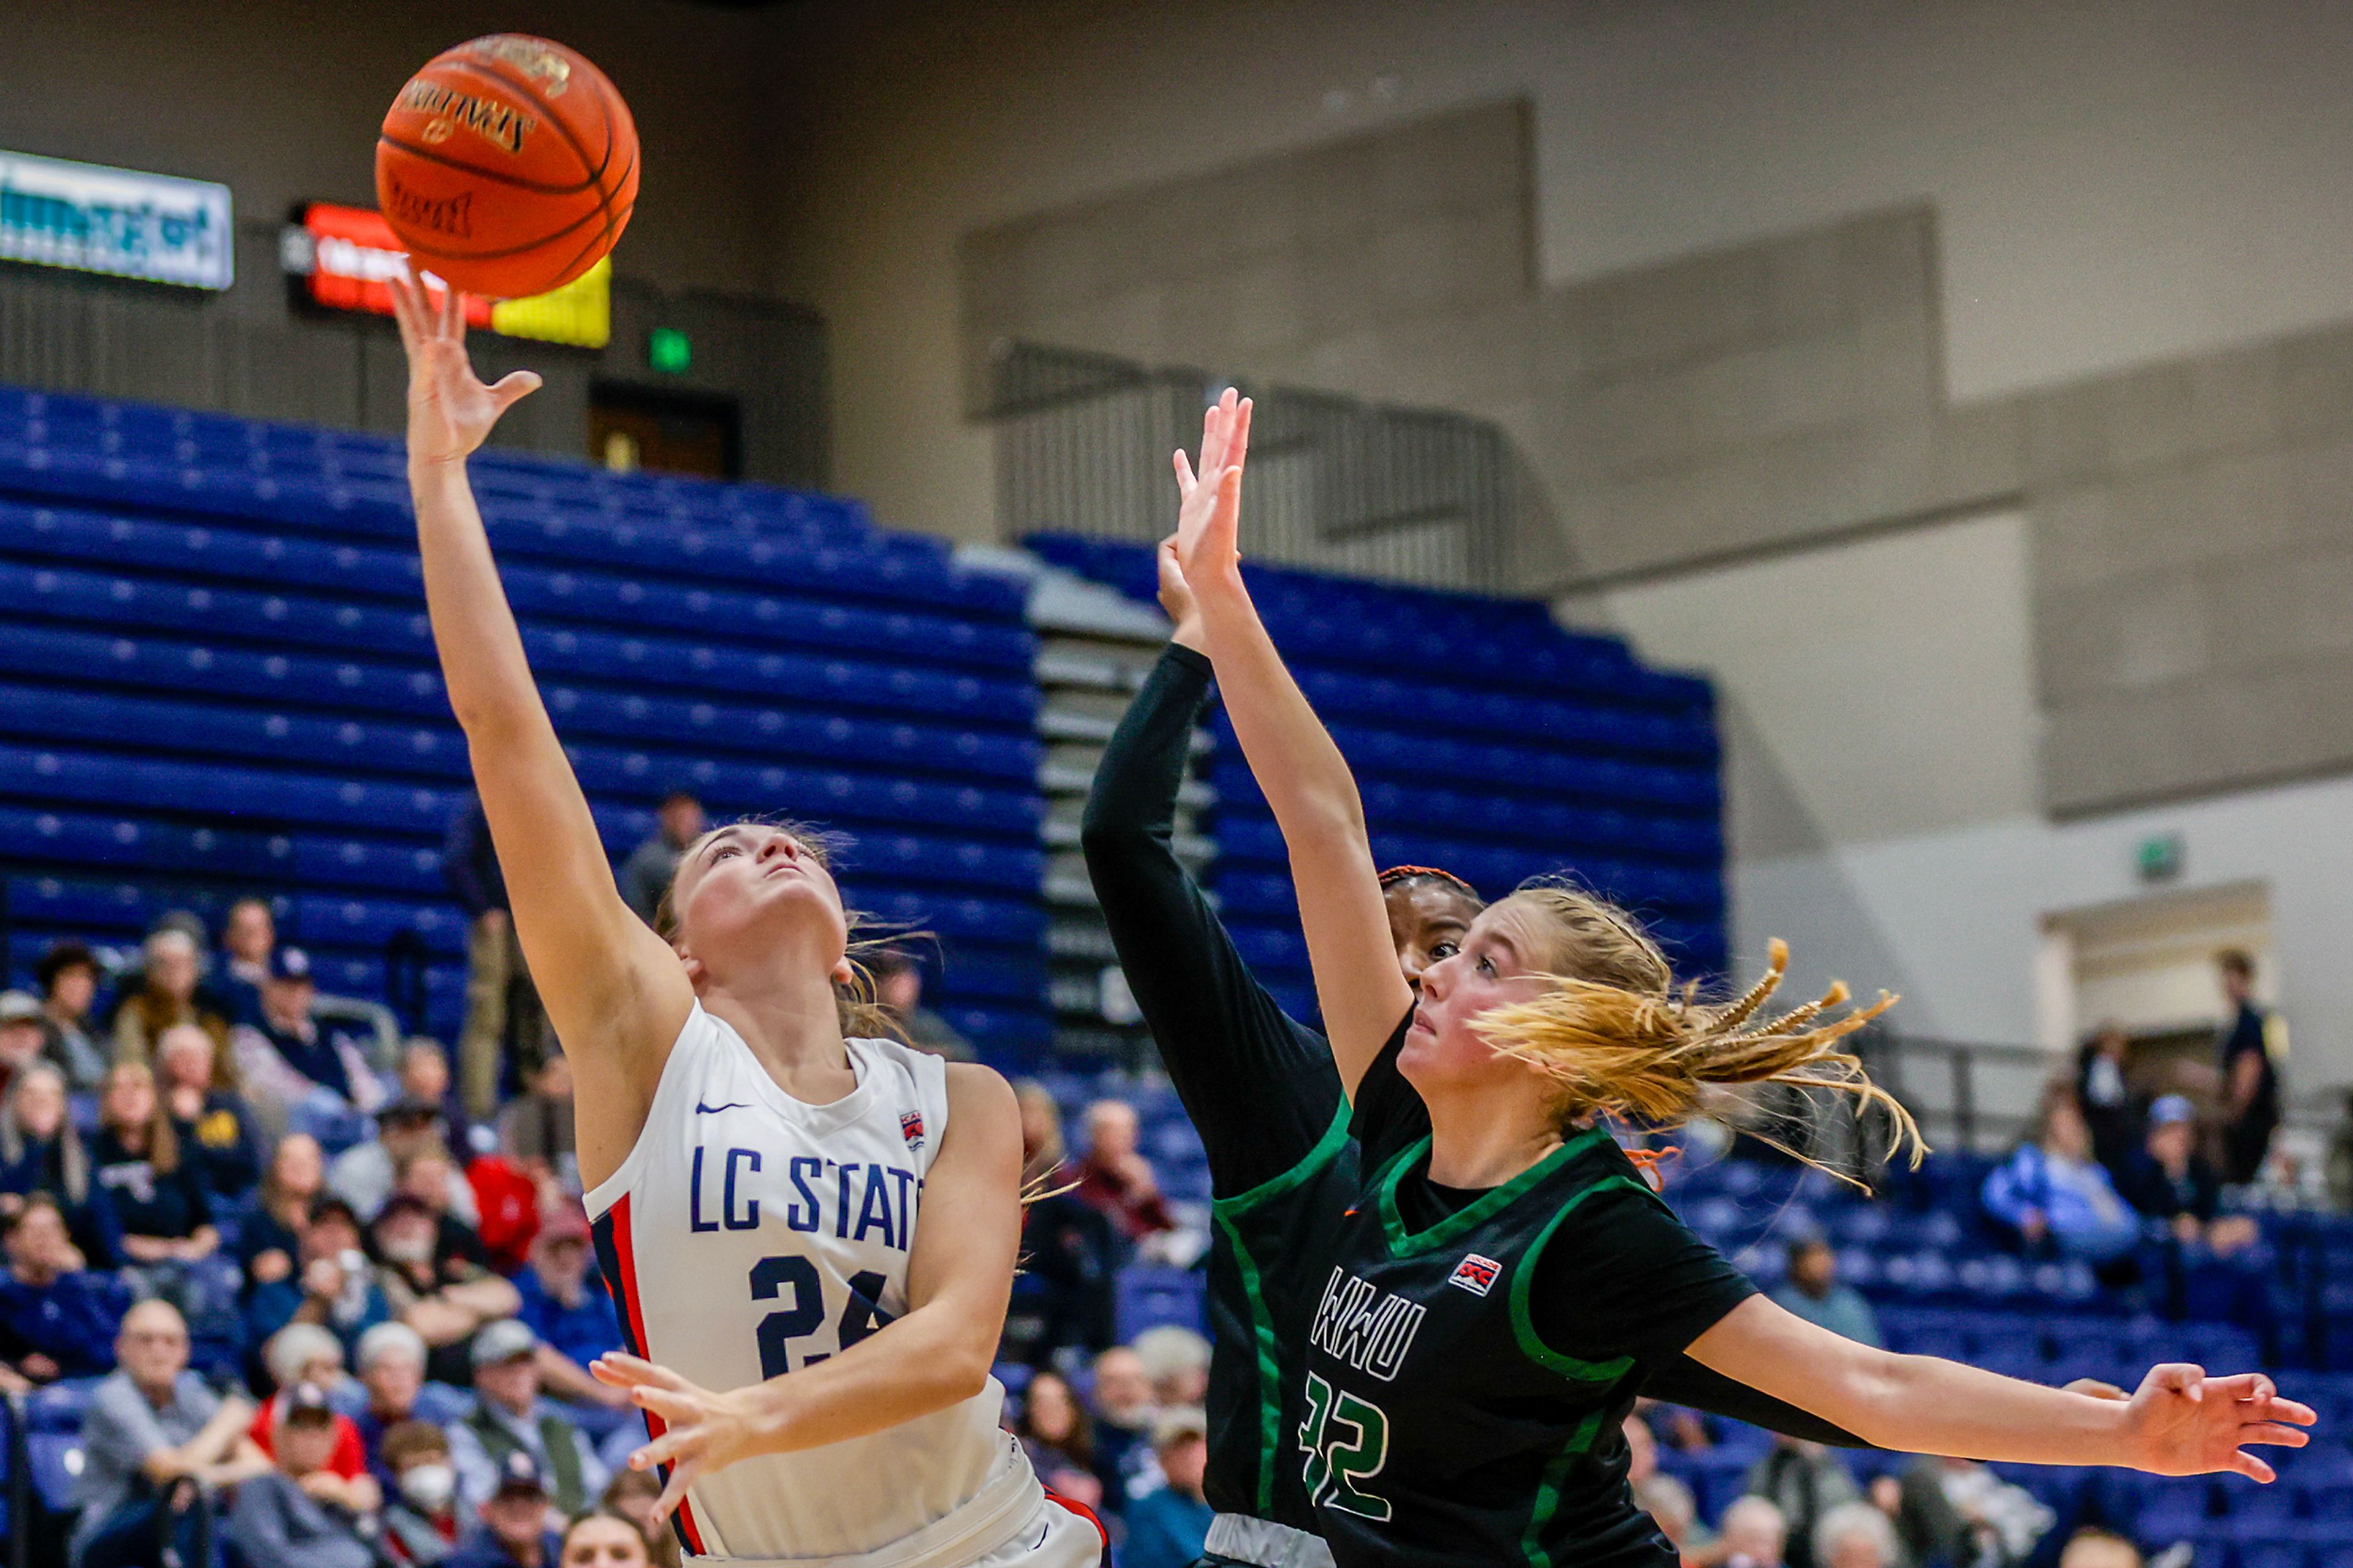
[663, 431]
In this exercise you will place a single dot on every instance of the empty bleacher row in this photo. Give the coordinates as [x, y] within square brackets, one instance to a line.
[218, 675]
[1486, 739]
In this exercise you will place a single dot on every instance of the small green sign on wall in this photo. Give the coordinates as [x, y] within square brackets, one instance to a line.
[2159, 857]
[669, 350]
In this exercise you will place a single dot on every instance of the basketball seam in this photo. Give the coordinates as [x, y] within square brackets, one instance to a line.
[516, 182]
[549, 239]
[516, 84]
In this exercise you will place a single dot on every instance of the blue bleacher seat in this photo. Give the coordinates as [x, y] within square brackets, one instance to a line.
[1148, 1297]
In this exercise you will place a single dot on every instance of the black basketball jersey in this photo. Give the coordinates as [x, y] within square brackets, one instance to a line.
[1437, 1427]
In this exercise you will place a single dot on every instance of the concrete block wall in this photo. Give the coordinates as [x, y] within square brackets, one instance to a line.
[2191, 522]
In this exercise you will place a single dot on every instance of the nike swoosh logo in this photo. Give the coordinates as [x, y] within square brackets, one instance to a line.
[703, 1109]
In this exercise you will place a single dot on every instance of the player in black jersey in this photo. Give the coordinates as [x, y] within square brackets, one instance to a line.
[1263, 1092]
[1496, 1287]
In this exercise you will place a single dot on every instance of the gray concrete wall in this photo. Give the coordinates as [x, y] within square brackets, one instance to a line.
[2191, 522]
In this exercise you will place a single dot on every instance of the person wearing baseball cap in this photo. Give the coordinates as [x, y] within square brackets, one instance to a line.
[21, 1035]
[2169, 1180]
[289, 989]
[509, 1417]
[515, 1512]
[300, 1515]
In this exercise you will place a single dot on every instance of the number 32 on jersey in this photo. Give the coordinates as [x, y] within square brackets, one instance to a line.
[1346, 1441]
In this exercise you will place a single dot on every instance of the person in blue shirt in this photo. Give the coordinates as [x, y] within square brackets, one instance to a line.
[513, 1532]
[1168, 1526]
[58, 1318]
[566, 1303]
[2056, 1197]
[42, 1151]
[1814, 1293]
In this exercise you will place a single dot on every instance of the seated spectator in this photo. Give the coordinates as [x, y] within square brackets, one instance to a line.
[429, 1177]
[304, 1355]
[2105, 1098]
[606, 1540]
[421, 1521]
[1675, 1512]
[391, 1359]
[289, 1057]
[1116, 1178]
[632, 1495]
[68, 974]
[645, 874]
[1063, 1296]
[152, 1426]
[1752, 1534]
[1813, 1292]
[2169, 1180]
[1176, 1360]
[1123, 1416]
[510, 1417]
[425, 1078]
[1060, 1440]
[2091, 1548]
[165, 996]
[1855, 1535]
[335, 1286]
[58, 1318]
[20, 1035]
[535, 1129]
[2056, 1197]
[1958, 1511]
[1168, 1526]
[898, 991]
[41, 1150]
[301, 1513]
[515, 1516]
[248, 938]
[158, 1195]
[567, 1306]
[443, 1295]
[208, 1118]
[272, 1218]
[364, 1174]
[1803, 1481]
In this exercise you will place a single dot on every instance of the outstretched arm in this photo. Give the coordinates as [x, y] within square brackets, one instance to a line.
[1306, 780]
[959, 1278]
[616, 993]
[2180, 1422]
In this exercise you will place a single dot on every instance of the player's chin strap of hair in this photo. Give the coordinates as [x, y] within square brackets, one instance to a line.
[1399, 873]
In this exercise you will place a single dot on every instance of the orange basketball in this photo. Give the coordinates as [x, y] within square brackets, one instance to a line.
[508, 166]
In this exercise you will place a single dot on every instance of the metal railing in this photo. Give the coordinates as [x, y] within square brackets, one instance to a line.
[1411, 495]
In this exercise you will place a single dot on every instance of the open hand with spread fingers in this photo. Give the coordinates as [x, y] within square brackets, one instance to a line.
[451, 412]
[700, 1431]
[2181, 1422]
[1209, 503]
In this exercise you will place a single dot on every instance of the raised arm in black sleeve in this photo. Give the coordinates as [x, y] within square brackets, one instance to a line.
[1260, 1087]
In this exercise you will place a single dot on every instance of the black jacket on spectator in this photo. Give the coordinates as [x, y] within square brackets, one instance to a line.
[44, 1167]
[2145, 1186]
[148, 1202]
[471, 864]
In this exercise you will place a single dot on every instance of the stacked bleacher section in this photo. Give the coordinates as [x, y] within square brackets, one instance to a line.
[218, 677]
[1486, 739]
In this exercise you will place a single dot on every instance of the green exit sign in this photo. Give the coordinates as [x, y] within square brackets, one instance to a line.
[669, 350]
[2159, 857]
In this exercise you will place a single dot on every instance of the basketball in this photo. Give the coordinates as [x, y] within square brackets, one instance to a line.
[508, 166]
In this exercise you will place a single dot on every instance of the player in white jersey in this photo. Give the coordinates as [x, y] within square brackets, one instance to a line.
[811, 1234]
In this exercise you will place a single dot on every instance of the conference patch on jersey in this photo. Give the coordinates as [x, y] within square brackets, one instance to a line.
[1476, 1274]
[910, 1128]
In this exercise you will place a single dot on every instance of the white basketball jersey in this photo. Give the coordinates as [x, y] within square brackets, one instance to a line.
[750, 1234]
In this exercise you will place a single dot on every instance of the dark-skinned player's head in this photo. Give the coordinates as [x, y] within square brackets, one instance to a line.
[1429, 911]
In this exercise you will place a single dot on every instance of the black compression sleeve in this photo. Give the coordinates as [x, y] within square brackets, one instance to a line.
[1683, 1381]
[1260, 1088]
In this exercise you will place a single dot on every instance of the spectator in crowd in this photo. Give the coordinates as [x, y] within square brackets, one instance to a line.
[1116, 1178]
[157, 1194]
[58, 1318]
[306, 1356]
[424, 1076]
[1813, 1292]
[514, 1514]
[1855, 1535]
[2055, 1197]
[1667, 1501]
[535, 1129]
[421, 1518]
[151, 1429]
[509, 1417]
[273, 1217]
[248, 938]
[391, 1361]
[335, 1287]
[2105, 1097]
[68, 974]
[632, 1494]
[606, 1540]
[20, 1035]
[41, 1150]
[300, 1513]
[429, 1177]
[2091, 1548]
[500, 1004]
[646, 874]
[365, 1174]
[305, 1057]
[1168, 1526]
[166, 996]
[1062, 1297]
[1803, 1481]
[208, 1117]
[1176, 1360]
[1059, 1439]
[2169, 1180]
[899, 990]
[1123, 1416]
[1958, 1511]
[1753, 1534]
[2250, 1095]
[444, 1296]
[565, 1304]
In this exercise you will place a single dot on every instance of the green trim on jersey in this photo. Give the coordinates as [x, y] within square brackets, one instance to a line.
[1579, 1443]
[1270, 1366]
[1524, 1328]
[1405, 1244]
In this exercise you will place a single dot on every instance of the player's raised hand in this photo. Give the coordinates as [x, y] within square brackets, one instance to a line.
[1177, 599]
[705, 1431]
[2184, 1422]
[451, 412]
[1209, 503]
